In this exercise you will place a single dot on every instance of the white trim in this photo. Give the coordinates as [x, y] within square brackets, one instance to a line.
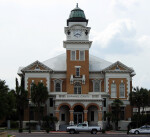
[60, 81]
[120, 90]
[77, 66]
[83, 56]
[72, 56]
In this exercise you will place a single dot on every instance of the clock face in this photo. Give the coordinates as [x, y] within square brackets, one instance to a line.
[77, 33]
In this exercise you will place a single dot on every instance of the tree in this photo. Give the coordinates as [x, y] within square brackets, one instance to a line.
[39, 96]
[139, 97]
[4, 105]
[116, 108]
[21, 102]
[108, 116]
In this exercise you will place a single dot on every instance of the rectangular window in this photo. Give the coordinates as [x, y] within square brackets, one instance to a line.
[51, 102]
[73, 55]
[92, 115]
[82, 55]
[77, 72]
[113, 90]
[122, 90]
[104, 102]
[62, 117]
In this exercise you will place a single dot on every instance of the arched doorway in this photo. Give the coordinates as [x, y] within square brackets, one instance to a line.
[78, 114]
[92, 115]
[64, 115]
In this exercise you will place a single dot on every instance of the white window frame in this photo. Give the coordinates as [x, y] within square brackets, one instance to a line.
[94, 82]
[71, 57]
[83, 55]
[115, 93]
[60, 82]
[123, 90]
[77, 87]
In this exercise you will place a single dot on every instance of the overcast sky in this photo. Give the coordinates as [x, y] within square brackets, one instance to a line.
[33, 30]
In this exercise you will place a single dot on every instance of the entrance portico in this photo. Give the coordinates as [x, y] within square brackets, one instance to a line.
[70, 112]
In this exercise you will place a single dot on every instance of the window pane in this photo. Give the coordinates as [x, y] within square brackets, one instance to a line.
[122, 90]
[77, 71]
[62, 117]
[81, 55]
[51, 102]
[77, 88]
[73, 56]
[96, 87]
[57, 87]
[92, 115]
[113, 90]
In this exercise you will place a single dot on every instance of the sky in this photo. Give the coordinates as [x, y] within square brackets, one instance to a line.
[33, 30]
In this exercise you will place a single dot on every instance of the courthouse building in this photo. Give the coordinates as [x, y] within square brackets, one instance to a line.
[81, 86]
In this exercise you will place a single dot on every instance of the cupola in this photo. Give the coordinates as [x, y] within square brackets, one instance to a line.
[77, 15]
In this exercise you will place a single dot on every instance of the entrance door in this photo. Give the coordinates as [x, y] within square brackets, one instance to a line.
[78, 117]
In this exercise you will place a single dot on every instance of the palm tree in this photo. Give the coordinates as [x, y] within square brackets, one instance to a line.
[21, 102]
[116, 108]
[39, 96]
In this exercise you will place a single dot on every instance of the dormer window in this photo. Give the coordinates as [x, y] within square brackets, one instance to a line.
[73, 55]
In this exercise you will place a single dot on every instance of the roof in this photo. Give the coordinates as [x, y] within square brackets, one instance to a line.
[77, 15]
[58, 63]
[96, 64]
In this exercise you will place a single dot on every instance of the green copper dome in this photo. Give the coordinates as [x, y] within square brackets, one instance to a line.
[77, 15]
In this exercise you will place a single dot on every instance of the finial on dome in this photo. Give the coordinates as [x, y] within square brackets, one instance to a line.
[77, 5]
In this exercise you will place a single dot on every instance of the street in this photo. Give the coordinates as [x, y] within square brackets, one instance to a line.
[73, 135]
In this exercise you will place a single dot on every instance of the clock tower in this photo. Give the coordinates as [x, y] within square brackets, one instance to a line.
[77, 46]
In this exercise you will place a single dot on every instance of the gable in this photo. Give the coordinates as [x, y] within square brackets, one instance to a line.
[118, 67]
[36, 67]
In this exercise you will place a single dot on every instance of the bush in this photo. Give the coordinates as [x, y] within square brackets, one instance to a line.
[103, 131]
[14, 124]
[32, 125]
[47, 130]
[20, 130]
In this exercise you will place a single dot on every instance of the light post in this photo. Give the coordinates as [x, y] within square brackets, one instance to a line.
[29, 101]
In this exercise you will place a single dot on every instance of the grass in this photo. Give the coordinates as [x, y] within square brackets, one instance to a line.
[9, 135]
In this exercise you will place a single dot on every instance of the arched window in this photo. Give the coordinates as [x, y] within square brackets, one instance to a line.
[96, 85]
[57, 87]
[122, 90]
[113, 90]
[77, 88]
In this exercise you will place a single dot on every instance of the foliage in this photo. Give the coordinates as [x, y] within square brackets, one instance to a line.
[14, 124]
[32, 125]
[103, 131]
[49, 122]
[6, 100]
[116, 108]
[139, 98]
[108, 116]
[39, 96]
[21, 102]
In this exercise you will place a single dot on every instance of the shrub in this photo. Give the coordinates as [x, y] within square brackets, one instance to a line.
[14, 124]
[103, 131]
[47, 130]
